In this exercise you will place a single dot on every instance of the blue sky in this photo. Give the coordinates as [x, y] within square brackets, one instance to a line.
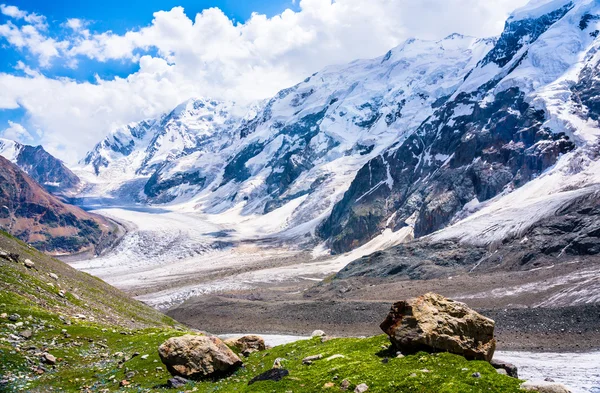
[71, 71]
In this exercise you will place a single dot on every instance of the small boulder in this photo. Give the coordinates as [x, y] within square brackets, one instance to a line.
[433, 323]
[48, 359]
[318, 333]
[29, 264]
[309, 359]
[177, 382]
[53, 276]
[197, 357]
[345, 385]
[26, 334]
[545, 387]
[274, 374]
[14, 317]
[511, 369]
[362, 388]
[247, 345]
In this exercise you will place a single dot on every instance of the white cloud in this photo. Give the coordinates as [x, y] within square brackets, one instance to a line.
[16, 132]
[15, 13]
[210, 55]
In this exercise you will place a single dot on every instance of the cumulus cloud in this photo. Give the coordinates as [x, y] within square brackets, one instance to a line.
[211, 55]
[16, 132]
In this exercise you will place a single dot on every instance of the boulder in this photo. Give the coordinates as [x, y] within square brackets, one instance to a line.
[247, 344]
[197, 357]
[433, 323]
[177, 382]
[511, 369]
[545, 387]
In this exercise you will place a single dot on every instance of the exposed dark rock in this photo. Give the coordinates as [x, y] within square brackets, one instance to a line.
[511, 369]
[177, 382]
[572, 232]
[274, 374]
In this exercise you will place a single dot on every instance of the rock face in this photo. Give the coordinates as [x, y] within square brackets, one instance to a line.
[33, 215]
[197, 357]
[247, 344]
[433, 323]
[47, 170]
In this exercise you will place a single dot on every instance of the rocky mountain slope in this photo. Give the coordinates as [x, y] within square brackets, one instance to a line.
[44, 168]
[406, 144]
[519, 114]
[34, 215]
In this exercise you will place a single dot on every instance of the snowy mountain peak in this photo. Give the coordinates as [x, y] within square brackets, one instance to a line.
[538, 8]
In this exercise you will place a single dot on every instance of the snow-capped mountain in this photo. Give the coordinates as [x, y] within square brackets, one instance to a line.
[429, 135]
[305, 144]
[131, 154]
[44, 168]
[527, 113]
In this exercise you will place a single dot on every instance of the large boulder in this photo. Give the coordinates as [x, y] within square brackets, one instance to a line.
[247, 345]
[197, 357]
[433, 323]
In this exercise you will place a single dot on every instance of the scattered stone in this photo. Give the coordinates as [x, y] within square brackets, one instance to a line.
[158, 368]
[549, 379]
[144, 357]
[26, 334]
[545, 387]
[476, 375]
[14, 317]
[328, 385]
[345, 385]
[124, 383]
[336, 356]
[434, 323]
[4, 315]
[361, 388]
[53, 276]
[274, 374]
[177, 382]
[48, 358]
[318, 333]
[399, 355]
[511, 369]
[61, 293]
[196, 357]
[135, 354]
[309, 359]
[501, 371]
[247, 344]
[277, 362]
[29, 264]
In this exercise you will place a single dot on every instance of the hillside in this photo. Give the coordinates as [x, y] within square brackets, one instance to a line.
[33, 215]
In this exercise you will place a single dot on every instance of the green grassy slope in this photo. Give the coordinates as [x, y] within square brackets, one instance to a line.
[119, 337]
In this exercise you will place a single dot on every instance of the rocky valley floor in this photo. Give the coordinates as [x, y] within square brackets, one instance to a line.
[210, 277]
